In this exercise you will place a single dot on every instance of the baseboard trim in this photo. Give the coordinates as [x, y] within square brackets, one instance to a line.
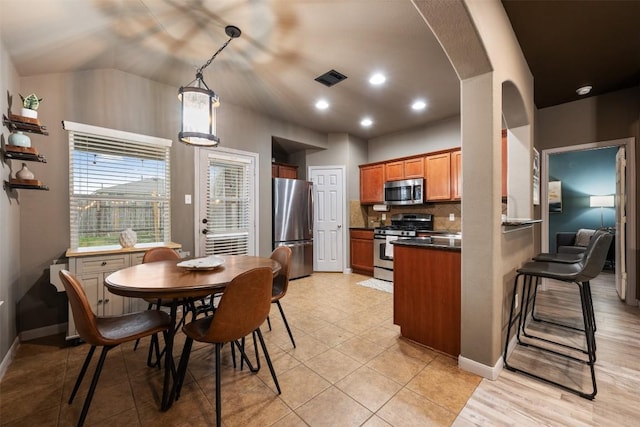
[45, 331]
[8, 358]
[347, 271]
[490, 372]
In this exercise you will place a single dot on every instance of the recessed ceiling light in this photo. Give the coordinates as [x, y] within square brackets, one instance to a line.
[366, 122]
[418, 105]
[377, 79]
[584, 90]
[322, 104]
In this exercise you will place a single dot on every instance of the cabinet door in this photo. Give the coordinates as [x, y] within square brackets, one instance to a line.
[361, 251]
[438, 177]
[372, 184]
[456, 175]
[112, 304]
[394, 171]
[414, 168]
[287, 172]
[92, 285]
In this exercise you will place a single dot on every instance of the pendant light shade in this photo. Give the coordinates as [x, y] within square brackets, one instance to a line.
[198, 105]
[198, 109]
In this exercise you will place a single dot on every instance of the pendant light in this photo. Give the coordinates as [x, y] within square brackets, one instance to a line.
[199, 103]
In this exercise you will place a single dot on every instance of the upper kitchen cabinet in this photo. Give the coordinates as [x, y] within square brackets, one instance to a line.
[438, 177]
[372, 183]
[283, 170]
[456, 175]
[404, 169]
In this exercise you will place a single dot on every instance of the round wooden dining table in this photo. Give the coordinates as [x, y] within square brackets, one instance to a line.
[166, 281]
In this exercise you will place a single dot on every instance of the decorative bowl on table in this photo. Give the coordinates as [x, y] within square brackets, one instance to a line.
[205, 263]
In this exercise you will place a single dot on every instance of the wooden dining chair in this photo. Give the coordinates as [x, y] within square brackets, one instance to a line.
[107, 332]
[282, 254]
[244, 306]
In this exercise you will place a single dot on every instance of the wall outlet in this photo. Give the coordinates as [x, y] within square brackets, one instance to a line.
[383, 216]
[452, 217]
[187, 199]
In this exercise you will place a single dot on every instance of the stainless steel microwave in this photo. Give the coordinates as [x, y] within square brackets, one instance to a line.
[404, 192]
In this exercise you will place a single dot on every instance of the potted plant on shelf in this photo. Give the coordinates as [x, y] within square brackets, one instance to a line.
[30, 105]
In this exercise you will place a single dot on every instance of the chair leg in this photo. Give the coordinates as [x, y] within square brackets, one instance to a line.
[92, 387]
[266, 356]
[286, 323]
[85, 365]
[182, 367]
[269, 322]
[218, 383]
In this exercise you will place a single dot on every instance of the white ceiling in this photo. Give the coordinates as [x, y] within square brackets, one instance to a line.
[271, 68]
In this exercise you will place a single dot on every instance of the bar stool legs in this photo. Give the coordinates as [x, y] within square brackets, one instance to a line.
[523, 338]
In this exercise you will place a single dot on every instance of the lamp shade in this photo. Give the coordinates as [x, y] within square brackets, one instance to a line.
[198, 105]
[601, 201]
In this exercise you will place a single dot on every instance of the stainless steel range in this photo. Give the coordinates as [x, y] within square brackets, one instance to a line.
[402, 226]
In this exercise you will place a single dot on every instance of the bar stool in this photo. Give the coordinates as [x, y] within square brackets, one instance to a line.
[579, 273]
[567, 258]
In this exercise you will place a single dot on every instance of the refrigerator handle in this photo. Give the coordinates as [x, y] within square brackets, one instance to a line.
[310, 211]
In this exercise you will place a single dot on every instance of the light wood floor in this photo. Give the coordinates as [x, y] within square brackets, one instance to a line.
[515, 399]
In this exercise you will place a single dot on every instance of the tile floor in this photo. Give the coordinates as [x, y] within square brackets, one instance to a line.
[350, 368]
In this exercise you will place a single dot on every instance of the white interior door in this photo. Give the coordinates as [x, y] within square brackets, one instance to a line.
[621, 224]
[328, 212]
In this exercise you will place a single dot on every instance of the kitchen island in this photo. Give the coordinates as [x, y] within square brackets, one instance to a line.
[426, 291]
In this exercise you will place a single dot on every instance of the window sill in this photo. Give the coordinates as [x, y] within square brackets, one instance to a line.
[117, 249]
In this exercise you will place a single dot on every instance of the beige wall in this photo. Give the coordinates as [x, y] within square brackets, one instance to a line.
[9, 218]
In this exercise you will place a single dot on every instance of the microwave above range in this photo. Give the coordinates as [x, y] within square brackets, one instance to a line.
[404, 192]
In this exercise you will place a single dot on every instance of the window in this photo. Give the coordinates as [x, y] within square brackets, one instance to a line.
[228, 204]
[117, 180]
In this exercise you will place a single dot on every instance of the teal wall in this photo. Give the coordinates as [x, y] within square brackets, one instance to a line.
[583, 174]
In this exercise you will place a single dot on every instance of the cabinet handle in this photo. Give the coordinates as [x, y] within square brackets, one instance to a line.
[99, 301]
[103, 263]
[106, 301]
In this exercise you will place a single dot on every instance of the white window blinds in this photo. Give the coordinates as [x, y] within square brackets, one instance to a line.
[229, 207]
[117, 180]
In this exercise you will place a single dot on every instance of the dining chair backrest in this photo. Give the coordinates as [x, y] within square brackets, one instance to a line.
[160, 254]
[595, 257]
[244, 306]
[282, 254]
[83, 316]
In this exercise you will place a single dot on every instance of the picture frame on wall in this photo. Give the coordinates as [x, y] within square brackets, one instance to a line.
[555, 196]
[536, 177]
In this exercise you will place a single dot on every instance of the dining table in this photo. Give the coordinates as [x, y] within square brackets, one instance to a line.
[167, 280]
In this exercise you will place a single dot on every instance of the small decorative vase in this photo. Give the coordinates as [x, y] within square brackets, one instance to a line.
[19, 139]
[27, 112]
[128, 238]
[24, 173]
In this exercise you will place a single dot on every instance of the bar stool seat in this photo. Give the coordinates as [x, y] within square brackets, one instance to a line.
[579, 273]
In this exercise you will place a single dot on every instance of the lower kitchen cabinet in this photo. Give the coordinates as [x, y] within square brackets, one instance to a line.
[361, 251]
[426, 296]
[91, 269]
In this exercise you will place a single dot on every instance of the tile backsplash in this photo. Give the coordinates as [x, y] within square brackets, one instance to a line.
[365, 216]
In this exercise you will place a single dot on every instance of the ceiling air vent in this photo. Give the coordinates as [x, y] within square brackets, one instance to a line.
[330, 78]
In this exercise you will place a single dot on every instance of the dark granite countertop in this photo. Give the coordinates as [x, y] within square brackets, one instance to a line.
[449, 242]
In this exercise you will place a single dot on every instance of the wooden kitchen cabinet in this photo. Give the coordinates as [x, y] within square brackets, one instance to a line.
[438, 177]
[283, 170]
[426, 296]
[372, 183]
[456, 175]
[361, 251]
[404, 169]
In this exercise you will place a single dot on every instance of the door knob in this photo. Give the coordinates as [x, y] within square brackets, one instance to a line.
[339, 226]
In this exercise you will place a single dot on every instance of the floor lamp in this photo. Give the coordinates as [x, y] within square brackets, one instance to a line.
[601, 202]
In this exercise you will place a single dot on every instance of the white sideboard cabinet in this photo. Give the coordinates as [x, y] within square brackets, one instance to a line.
[91, 266]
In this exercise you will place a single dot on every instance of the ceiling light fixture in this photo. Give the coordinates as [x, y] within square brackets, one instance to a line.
[584, 90]
[322, 104]
[198, 104]
[366, 122]
[377, 79]
[418, 105]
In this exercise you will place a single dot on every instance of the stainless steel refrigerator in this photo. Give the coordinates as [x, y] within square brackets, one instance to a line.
[293, 222]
